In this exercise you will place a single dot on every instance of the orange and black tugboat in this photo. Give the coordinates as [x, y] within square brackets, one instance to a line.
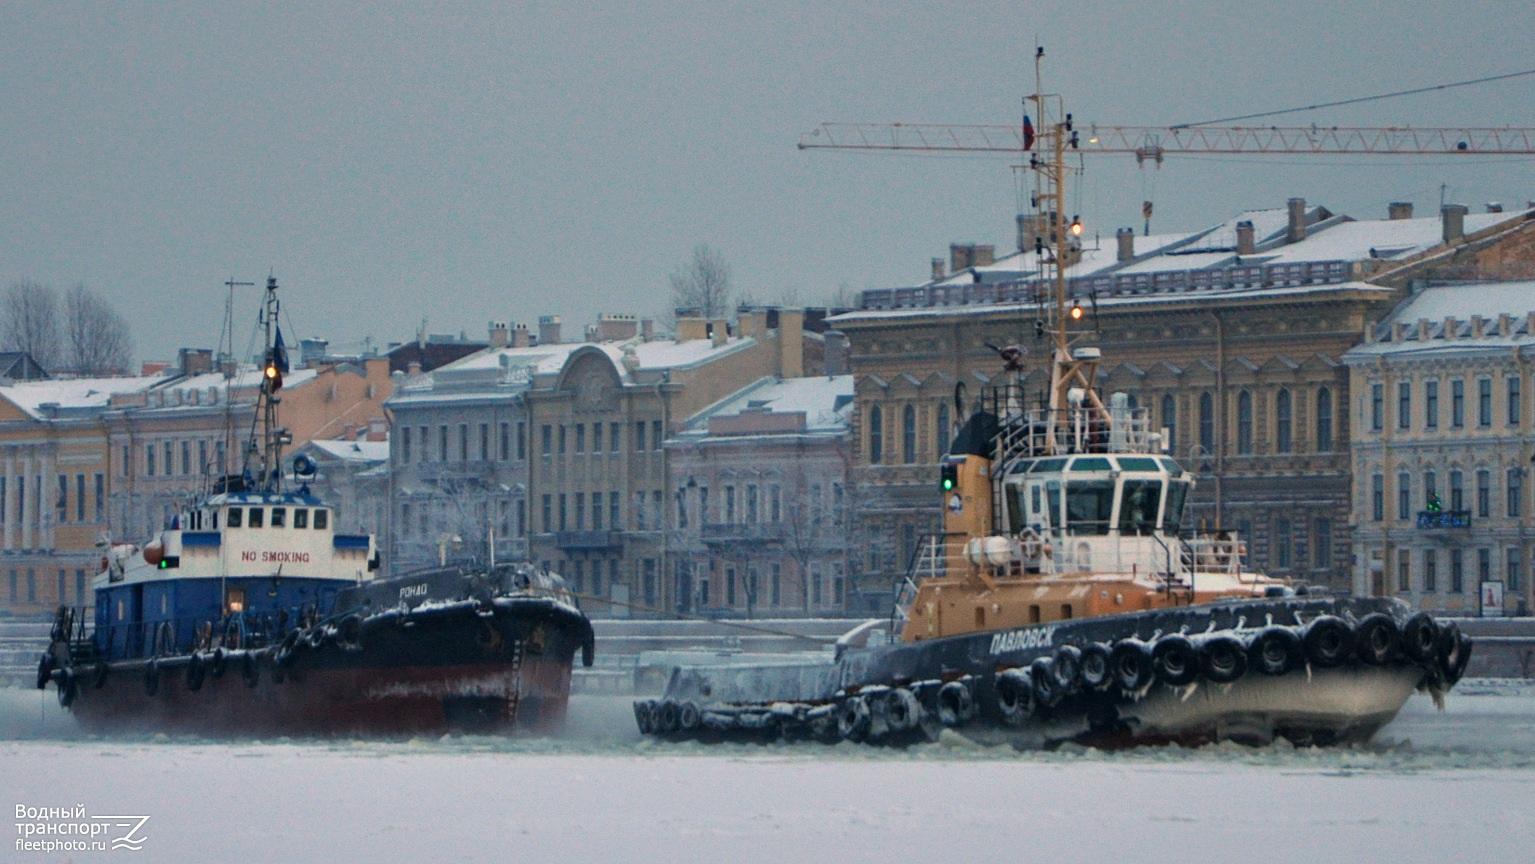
[1067, 599]
[250, 614]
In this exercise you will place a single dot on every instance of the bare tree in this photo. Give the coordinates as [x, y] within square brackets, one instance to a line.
[96, 335]
[29, 322]
[704, 286]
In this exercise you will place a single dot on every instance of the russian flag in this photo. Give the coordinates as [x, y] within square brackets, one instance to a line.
[1028, 133]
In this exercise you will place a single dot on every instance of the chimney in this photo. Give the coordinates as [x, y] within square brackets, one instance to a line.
[1124, 240]
[719, 331]
[413, 368]
[1478, 326]
[647, 329]
[983, 256]
[195, 361]
[1451, 327]
[1247, 244]
[1297, 228]
[836, 353]
[1423, 330]
[548, 329]
[937, 269]
[690, 329]
[1454, 218]
[617, 328]
[1369, 333]
[791, 343]
[520, 336]
[593, 334]
[1505, 324]
[1494, 206]
[1399, 210]
[960, 256]
[1399, 331]
[500, 334]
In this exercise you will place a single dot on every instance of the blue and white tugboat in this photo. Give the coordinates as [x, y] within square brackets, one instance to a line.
[1067, 600]
[250, 614]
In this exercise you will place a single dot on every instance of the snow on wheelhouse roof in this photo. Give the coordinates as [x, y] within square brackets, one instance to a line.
[73, 394]
[349, 450]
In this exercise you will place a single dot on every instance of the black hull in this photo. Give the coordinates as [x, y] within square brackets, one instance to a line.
[497, 665]
[1170, 681]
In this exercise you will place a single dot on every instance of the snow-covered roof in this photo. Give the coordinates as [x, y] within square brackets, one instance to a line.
[353, 451]
[1418, 325]
[826, 401]
[73, 394]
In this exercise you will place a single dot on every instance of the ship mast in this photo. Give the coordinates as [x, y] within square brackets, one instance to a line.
[1069, 371]
[268, 450]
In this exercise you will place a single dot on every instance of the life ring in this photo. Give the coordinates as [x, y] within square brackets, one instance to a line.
[1047, 690]
[151, 677]
[250, 669]
[1420, 638]
[1377, 639]
[1130, 664]
[1015, 696]
[196, 670]
[69, 687]
[1276, 651]
[1222, 659]
[1175, 660]
[902, 710]
[1094, 667]
[854, 719]
[1329, 642]
[956, 704]
[1030, 542]
[99, 674]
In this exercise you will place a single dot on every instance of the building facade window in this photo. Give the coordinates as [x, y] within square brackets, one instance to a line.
[1513, 400]
[1323, 530]
[1404, 496]
[1404, 405]
[1324, 420]
[876, 435]
[1377, 407]
[405, 445]
[1483, 494]
[1282, 542]
[1207, 423]
[1515, 495]
[1431, 404]
[945, 432]
[909, 435]
[1457, 571]
[1378, 497]
[1244, 423]
[1430, 571]
[1404, 571]
[1484, 402]
[1170, 420]
[1457, 404]
[1457, 491]
[1513, 569]
[1282, 422]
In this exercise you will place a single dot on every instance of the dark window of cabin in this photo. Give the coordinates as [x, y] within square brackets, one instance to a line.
[300, 517]
[279, 517]
[256, 517]
[234, 517]
[321, 519]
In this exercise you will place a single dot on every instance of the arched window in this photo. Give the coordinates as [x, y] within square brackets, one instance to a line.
[1207, 423]
[909, 435]
[1282, 422]
[1244, 423]
[1170, 420]
[1324, 420]
[876, 436]
[945, 434]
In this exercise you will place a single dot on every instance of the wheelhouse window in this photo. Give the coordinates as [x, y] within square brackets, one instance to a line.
[257, 516]
[279, 517]
[1089, 505]
[1138, 504]
[321, 519]
[235, 517]
[301, 517]
[1172, 517]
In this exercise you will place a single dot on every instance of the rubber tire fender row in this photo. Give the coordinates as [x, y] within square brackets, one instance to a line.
[956, 704]
[1329, 642]
[1420, 638]
[99, 674]
[854, 719]
[1094, 667]
[1377, 640]
[69, 687]
[643, 709]
[44, 670]
[250, 669]
[1047, 688]
[1068, 668]
[667, 717]
[1130, 665]
[197, 670]
[151, 677]
[1015, 696]
[1276, 650]
[689, 718]
[1222, 658]
[1175, 660]
[1453, 653]
[902, 709]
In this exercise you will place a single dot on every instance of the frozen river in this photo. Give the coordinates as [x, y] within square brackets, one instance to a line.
[1456, 785]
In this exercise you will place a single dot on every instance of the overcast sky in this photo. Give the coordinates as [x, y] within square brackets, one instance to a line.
[470, 161]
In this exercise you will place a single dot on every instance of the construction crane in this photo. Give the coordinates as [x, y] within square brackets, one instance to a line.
[1153, 143]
